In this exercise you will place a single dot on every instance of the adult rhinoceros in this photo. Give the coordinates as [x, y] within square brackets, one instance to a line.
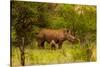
[55, 37]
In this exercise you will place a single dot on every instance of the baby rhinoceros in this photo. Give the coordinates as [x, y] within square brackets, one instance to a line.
[53, 37]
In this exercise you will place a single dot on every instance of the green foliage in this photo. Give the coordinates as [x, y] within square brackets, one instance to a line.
[81, 19]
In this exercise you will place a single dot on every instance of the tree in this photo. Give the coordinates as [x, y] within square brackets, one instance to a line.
[23, 27]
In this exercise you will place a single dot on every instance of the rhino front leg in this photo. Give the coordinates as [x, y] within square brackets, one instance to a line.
[60, 45]
[41, 44]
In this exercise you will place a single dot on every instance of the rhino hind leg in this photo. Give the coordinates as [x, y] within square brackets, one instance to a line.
[53, 44]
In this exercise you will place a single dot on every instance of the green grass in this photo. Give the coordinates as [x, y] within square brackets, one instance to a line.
[68, 54]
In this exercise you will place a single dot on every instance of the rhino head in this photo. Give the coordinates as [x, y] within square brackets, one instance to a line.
[70, 37]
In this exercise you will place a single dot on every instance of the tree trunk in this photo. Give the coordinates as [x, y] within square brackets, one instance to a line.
[22, 48]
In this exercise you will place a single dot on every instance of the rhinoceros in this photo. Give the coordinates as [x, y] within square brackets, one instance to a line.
[55, 36]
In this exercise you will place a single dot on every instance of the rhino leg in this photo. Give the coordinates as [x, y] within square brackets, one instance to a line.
[53, 44]
[41, 44]
[60, 45]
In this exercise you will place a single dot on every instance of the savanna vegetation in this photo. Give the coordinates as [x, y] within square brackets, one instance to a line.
[27, 18]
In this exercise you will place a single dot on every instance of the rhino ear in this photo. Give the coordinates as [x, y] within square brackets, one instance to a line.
[67, 31]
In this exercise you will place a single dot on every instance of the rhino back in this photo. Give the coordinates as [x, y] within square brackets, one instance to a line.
[50, 34]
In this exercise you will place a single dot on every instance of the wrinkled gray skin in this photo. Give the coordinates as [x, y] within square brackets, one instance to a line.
[55, 37]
